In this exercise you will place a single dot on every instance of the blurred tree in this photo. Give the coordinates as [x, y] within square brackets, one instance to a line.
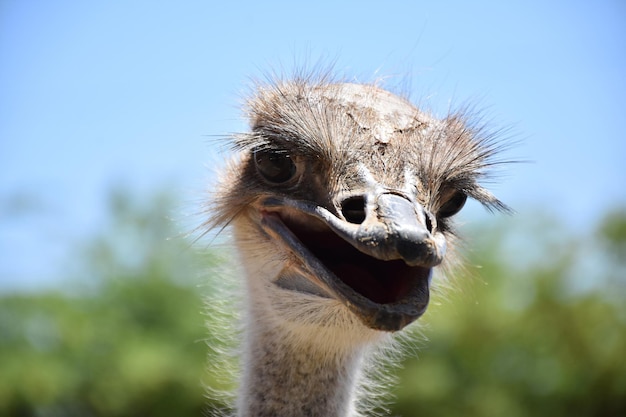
[123, 338]
[544, 336]
[612, 234]
[530, 343]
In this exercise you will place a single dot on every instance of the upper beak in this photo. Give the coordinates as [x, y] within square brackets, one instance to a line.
[395, 227]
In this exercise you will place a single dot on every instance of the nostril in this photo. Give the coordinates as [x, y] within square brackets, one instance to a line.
[353, 209]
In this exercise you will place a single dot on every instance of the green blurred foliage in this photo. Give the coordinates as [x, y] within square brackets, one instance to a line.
[540, 330]
[540, 337]
[126, 335]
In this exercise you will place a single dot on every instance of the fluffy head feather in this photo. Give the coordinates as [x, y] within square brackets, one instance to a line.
[342, 128]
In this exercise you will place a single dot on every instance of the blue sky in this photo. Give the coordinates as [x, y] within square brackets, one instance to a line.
[94, 94]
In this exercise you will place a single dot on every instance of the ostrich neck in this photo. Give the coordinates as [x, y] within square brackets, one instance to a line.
[294, 377]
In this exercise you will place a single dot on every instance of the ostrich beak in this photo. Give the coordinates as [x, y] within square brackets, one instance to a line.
[380, 268]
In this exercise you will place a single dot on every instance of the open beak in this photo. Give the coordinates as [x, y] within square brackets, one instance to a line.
[379, 266]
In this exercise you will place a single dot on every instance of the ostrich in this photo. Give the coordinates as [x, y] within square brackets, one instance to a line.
[340, 202]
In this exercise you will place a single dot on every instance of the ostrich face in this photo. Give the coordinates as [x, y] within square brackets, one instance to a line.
[343, 198]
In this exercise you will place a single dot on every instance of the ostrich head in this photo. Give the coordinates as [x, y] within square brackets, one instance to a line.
[342, 201]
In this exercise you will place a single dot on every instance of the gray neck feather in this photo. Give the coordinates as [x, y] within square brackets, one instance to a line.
[286, 376]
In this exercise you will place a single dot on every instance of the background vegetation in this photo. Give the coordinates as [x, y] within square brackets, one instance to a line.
[540, 330]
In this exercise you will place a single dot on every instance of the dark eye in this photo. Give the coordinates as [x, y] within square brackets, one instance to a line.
[453, 205]
[274, 166]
